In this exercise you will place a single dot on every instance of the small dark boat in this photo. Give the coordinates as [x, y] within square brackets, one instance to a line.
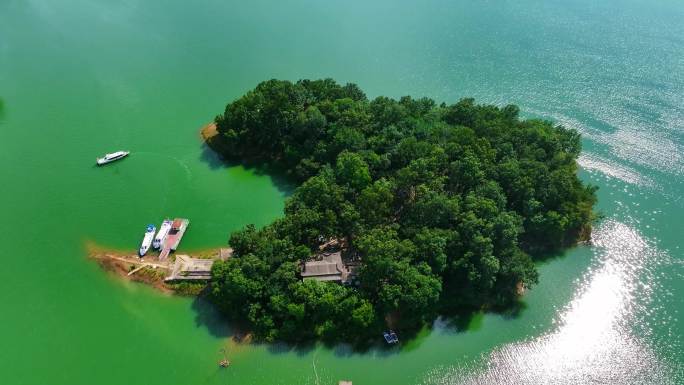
[390, 337]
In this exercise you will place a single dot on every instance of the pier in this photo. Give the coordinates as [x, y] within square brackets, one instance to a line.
[174, 237]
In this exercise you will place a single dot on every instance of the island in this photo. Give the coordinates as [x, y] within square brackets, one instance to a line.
[405, 210]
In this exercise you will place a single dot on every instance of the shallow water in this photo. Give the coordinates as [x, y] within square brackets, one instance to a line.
[79, 78]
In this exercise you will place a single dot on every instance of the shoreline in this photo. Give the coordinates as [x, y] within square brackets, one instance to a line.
[120, 263]
[211, 138]
[208, 131]
[127, 265]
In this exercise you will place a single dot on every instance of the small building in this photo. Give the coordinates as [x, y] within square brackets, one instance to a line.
[190, 269]
[328, 266]
[324, 267]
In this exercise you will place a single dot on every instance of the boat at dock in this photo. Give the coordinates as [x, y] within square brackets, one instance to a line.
[161, 234]
[114, 156]
[147, 240]
[390, 337]
[174, 237]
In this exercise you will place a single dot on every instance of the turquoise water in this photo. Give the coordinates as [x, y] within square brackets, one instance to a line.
[79, 78]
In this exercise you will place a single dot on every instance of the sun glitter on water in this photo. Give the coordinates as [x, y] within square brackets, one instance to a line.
[594, 341]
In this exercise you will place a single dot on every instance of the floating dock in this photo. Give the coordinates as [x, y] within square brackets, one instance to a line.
[174, 237]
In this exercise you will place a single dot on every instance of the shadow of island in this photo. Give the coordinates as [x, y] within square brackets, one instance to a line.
[215, 161]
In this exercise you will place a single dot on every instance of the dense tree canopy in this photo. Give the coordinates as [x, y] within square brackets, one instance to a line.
[444, 204]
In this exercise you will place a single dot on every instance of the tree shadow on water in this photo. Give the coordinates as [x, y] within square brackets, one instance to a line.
[300, 349]
[473, 320]
[545, 256]
[209, 317]
[215, 161]
[340, 349]
[211, 157]
[206, 315]
[513, 311]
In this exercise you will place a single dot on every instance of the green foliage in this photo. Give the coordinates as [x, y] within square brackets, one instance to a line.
[187, 288]
[444, 205]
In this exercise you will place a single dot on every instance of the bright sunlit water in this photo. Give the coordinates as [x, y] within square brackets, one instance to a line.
[79, 78]
[594, 340]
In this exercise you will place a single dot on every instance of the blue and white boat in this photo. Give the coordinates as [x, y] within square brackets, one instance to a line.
[161, 235]
[390, 337]
[147, 240]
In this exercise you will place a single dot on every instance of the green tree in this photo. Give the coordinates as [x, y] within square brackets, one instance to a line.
[444, 207]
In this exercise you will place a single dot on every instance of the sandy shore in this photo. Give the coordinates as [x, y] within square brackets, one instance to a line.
[209, 131]
[210, 135]
[148, 270]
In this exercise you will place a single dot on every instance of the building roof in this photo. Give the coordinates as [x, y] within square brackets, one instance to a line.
[325, 278]
[186, 268]
[326, 267]
[315, 268]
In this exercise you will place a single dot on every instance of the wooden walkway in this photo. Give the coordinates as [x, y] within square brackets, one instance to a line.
[174, 237]
[164, 254]
[142, 264]
[136, 269]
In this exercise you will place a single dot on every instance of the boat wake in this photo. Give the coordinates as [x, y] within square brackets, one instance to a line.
[181, 164]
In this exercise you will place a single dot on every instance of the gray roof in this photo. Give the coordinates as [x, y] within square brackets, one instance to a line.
[325, 278]
[316, 268]
[186, 268]
[326, 267]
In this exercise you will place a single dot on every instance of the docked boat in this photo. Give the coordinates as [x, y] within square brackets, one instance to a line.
[108, 158]
[390, 337]
[147, 239]
[161, 234]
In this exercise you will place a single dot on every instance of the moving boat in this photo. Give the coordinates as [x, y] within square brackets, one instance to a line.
[161, 235]
[147, 239]
[108, 158]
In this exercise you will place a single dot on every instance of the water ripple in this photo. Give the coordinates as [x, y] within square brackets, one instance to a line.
[592, 162]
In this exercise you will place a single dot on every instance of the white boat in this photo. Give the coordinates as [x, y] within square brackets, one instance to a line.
[161, 235]
[108, 158]
[147, 239]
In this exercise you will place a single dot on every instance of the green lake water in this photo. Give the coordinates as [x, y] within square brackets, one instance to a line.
[79, 78]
